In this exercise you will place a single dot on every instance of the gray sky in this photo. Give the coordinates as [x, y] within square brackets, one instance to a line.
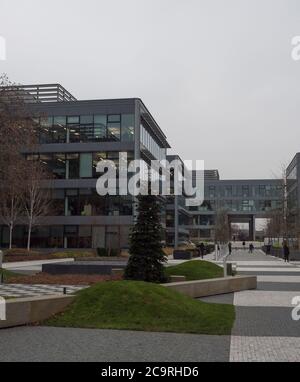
[217, 75]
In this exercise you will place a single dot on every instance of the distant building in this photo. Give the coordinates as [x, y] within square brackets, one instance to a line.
[293, 194]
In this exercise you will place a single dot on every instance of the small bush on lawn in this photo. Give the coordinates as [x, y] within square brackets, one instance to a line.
[106, 252]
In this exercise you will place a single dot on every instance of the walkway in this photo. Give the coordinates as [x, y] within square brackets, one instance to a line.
[26, 290]
[264, 329]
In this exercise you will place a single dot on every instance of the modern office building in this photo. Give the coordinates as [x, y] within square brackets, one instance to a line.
[74, 136]
[244, 200]
[178, 215]
[293, 193]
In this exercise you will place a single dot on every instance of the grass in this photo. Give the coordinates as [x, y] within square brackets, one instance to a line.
[135, 305]
[8, 274]
[196, 270]
[72, 254]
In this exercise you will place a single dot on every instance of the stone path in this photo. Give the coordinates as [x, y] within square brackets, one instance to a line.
[25, 290]
[264, 329]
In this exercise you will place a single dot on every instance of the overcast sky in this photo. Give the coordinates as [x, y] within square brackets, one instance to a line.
[217, 75]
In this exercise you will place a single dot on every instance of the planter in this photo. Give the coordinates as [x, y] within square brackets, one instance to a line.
[182, 255]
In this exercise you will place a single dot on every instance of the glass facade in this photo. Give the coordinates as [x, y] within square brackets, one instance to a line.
[77, 165]
[86, 128]
[151, 145]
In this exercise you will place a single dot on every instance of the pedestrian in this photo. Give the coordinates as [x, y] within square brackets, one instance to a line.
[244, 245]
[229, 248]
[251, 248]
[202, 250]
[286, 252]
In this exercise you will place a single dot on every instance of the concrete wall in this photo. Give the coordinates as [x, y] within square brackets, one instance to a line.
[202, 288]
[24, 311]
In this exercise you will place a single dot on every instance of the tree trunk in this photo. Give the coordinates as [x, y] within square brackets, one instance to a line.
[10, 236]
[29, 236]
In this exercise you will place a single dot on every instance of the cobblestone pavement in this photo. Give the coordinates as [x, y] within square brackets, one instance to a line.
[264, 329]
[37, 344]
[25, 290]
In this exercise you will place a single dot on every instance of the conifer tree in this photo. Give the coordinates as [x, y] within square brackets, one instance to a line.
[146, 254]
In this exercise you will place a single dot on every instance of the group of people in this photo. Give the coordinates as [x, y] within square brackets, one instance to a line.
[285, 248]
[251, 247]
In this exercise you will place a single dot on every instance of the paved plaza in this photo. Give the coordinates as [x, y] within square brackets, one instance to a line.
[263, 331]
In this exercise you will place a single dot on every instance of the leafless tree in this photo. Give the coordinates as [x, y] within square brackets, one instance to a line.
[17, 132]
[36, 199]
[11, 207]
[221, 226]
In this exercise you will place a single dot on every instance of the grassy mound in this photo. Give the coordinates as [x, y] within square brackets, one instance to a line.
[143, 306]
[196, 270]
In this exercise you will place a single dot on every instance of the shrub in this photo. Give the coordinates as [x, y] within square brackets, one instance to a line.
[106, 252]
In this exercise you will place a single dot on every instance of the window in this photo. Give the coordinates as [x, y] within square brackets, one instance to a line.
[86, 165]
[59, 130]
[127, 127]
[59, 166]
[114, 118]
[245, 191]
[100, 125]
[228, 191]
[212, 192]
[86, 131]
[73, 166]
[97, 157]
[113, 131]
[73, 120]
[73, 126]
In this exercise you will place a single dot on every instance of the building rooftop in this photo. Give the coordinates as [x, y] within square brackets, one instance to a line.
[43, 93]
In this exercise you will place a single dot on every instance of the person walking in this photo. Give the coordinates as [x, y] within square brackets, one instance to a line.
[251, 248]
[286, 252]
[202, 250]
[229, 248]
[244, 245]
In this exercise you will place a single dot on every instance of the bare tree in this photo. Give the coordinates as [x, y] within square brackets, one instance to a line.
[36, 199]
[221, 226]
[17, 132]
[11, 207]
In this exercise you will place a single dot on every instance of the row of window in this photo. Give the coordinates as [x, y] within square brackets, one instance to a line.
[86, 202]
[86, 128]
[74, 165]
[151, 145]
[69, 236]
[243, 191]
[239, 205]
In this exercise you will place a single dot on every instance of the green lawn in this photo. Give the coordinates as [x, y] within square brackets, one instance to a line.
[8, 274]
[196, 270]
[135, 305]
